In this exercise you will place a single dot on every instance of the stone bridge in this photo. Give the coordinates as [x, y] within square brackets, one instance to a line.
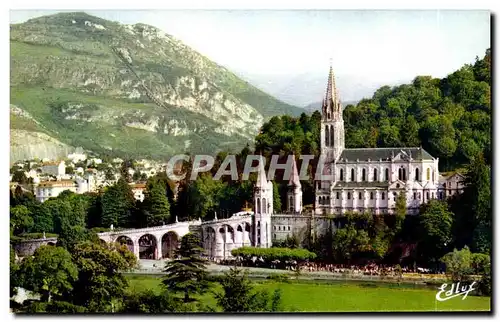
[157, 242]
[220, 236]
[28, 247]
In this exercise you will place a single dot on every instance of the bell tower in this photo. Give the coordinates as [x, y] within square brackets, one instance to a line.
[294, 192]
[263, 208]
[332, 122]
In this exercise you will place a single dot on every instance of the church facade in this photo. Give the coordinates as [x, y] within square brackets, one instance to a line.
[369, 179]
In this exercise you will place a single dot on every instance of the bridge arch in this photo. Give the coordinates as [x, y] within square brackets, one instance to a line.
[209, 241]
[169, 244]
[125, 240]
[148, 247]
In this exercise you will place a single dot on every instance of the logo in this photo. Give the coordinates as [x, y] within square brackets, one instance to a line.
[454, 291]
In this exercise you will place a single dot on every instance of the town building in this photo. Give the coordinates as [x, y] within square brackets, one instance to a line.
[138, 190]
[55, 168]
[451, 185]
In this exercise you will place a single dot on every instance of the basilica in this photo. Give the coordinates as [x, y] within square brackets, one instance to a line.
[369, 179]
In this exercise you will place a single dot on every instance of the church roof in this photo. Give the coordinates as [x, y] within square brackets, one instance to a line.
[363, 184]
[384, 154]
[261, 177]
[294, 178]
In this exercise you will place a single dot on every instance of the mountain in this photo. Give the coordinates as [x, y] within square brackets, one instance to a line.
[125, 90]
[317, 106]
[304, 88]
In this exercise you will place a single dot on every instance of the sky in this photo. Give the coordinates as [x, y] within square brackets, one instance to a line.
[376, 46]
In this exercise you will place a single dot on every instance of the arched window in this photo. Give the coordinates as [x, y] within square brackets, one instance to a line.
[371, 195]
[327, 135]
[359, 195]
[400, 174]
[341, 174]
[363, 175]
[428, 174]
[386, 174]
[417, 175]
[258, 205]
[375, 175]
[348, 195]
[433, 176]
[338, 195]
[404, 174]
[264, 206]
[332, 141]
[290, 202]
[383, 195]
[352, 174]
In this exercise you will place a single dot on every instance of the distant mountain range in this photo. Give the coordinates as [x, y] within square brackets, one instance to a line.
[307, 88]
[124, 90]
[317, 106]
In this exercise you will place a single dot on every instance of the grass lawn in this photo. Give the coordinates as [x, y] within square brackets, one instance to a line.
[344, 297]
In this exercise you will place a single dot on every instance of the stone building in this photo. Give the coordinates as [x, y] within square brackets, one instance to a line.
[369, 179]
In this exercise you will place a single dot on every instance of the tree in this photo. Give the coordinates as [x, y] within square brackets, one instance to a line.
[477, 200]
[204, 195]
[458, 264]
[100, 281]
[19, 177]
[14, 267]
[435, 229]
[400, 213]
[71, 236]
[238, 294]
[49, 272]
[118, 205]
[276, 198]
[156, 205]
[20, 219]
[187, 273]
[349, 241]
[150, 302]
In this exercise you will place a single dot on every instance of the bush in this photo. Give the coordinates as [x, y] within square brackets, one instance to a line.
[279, 278]
[274, 253]
[28, 236]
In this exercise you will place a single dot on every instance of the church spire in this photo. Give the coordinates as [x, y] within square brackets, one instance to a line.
[294, 178]
[331, 103]
[261, 176]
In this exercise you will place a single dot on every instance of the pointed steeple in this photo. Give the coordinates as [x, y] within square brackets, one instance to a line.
[294, 178]
[261, 177]
[331, 103]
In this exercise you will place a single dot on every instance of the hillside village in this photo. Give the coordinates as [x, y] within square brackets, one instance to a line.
[80, 172]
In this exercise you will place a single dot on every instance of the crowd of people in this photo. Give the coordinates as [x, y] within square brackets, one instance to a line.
[371, 269]
[368, 269]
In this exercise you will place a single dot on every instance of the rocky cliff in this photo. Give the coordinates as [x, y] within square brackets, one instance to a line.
[125, 90]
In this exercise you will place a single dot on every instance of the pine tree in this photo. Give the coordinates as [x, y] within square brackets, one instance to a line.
[477, 200]
[118, 205]
[400, 211]
[188, 273]
[276, 198]
[156, 205]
